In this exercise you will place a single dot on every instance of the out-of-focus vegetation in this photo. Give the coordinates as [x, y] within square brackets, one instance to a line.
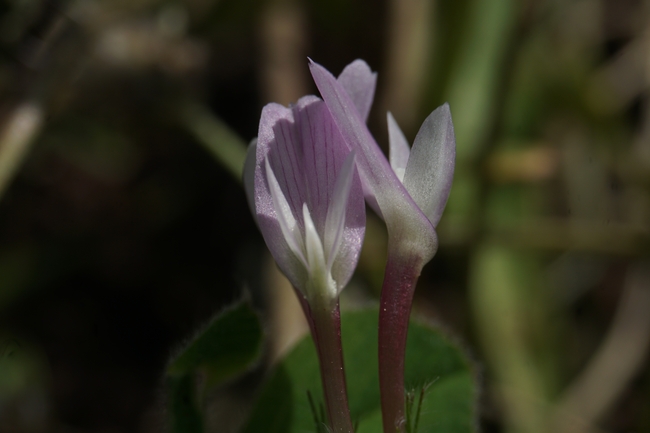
[124, 227]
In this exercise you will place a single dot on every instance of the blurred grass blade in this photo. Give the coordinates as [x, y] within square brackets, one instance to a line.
[500, 284]
[408, 54]
[18, 133]
[227, 347]
[474, 81]
[224, 144]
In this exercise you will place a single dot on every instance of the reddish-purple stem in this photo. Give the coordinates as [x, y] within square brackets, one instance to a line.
[325, 324]
[395, 308]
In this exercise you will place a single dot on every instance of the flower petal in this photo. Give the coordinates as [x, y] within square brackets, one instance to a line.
[318, 272]
[287, 221]
[398, 148]
[360, 82]
[324, 156]
[299, 155]
[402, 215]
[335, 222]
[267, 218]
[323, 153]
[371, 161]
[277, 141]
[430, 168]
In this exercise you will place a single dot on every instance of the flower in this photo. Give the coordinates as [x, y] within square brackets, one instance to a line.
[307, 196]
[410, 193]
[302, 182]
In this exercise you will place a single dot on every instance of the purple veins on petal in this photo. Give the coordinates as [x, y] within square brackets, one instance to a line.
[372, 163]
[285, 217]
[322, 153]
[308, 198]
[376, 174]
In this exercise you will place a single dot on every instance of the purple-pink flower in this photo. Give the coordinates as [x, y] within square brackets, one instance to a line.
[306, 178]
[307, 196]
[304, 187]
[411, 192]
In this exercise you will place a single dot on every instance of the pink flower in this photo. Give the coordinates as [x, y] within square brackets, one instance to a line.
[411, 192]
[307, 196]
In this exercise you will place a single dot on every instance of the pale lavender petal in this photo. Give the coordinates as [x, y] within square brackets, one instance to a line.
[300, 153]
[276, 141]
[430, 169]
[323, 153]
[398, 148]
[286, 219]
[359, 81]
[371, 161]
[335, 222]
[267, 218]
[249, 175]
[401, 214]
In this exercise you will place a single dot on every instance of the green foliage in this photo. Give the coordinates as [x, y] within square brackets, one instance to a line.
[448, 404]
[183, 405]
[503, 291]
[474, 79]
[226, 348]
[23, 368]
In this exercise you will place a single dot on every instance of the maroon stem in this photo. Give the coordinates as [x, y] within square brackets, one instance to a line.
[402, 272]
[325, 322]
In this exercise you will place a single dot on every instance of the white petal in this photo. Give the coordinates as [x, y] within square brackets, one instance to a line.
[335, 221]
[399, 150]
[285, 218]
[430, 169]
[318, 273]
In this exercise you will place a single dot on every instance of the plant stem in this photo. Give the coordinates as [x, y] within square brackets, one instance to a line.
[402, 272]
[324, 319]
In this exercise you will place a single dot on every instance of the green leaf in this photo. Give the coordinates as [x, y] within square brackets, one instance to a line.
[183, 405]
[228, 346]
[432, 358]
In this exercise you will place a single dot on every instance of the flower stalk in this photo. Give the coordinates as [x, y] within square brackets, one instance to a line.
[402, 273]
[325, 324]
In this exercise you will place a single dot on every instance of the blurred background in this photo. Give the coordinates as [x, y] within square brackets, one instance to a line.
[124, 226]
